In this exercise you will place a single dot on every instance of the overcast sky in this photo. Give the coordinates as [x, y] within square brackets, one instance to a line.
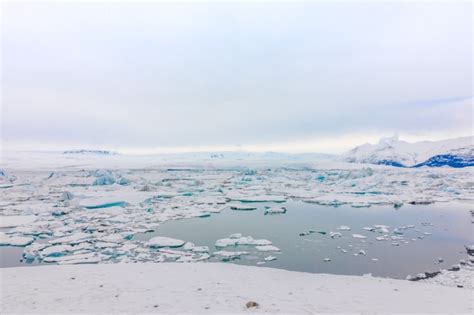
[214, 76]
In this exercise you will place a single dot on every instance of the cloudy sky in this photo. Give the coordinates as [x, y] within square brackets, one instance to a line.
[224, 76]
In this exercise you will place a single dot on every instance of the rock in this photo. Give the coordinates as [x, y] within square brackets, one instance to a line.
[252, 304]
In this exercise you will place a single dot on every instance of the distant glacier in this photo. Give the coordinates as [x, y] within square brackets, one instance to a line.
[458, 152]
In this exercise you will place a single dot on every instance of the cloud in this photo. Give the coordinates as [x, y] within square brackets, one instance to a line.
[217, 75]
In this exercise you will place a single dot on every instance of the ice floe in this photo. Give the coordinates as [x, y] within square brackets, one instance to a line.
[161, 241]
[16, 220]
[13, 240]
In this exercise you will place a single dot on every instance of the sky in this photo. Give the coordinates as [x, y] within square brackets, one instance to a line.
[262, 76]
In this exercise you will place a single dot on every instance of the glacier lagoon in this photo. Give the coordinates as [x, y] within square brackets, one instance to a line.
[380, 240]
[324, 217]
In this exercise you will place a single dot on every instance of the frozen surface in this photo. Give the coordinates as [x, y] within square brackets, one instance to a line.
[216, 288]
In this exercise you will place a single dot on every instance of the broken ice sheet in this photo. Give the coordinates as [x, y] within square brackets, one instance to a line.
[14, 240]
[16, 220]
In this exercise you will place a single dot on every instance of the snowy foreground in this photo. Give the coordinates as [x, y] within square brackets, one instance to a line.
[215, 288]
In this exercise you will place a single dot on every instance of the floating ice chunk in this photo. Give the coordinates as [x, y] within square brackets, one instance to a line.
[248, 240]
[362, 252]
[6, 240]
[106, 205]
[105, 244]
[228, 255]
[112, 238]
[242, 207]
[382, 238]
[72, 238]
[123, 181]
[335, 234]
[56, 250]
[359, 236]
[267, 248]
[236, 235]
[259, 198]
[16, 220]
[128, 247]
[369, 228]
[270, 258]
[344, 228]
[188, 246]
[327, 259]
[86, 258]
[223, 242]
[104, 180]
[201, 249]
[375, 259]
[30, 230]
[275, 210]
[161, 241]
[66, 195]
[31, 251]
[382, 228]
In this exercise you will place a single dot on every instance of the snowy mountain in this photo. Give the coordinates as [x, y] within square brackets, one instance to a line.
[456, 152]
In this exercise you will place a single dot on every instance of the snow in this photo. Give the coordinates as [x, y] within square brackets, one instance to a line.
[161, 241]
[215, 288]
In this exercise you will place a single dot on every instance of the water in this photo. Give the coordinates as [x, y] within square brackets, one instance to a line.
[450, 229]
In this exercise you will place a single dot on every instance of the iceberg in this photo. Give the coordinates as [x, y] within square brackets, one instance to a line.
[161, 241]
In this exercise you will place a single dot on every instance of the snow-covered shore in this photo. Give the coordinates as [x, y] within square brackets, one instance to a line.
[215, 288]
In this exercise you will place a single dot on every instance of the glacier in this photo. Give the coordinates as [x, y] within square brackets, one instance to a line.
[456, 153]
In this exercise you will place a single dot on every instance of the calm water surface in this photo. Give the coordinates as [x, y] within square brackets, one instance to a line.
[449, 229]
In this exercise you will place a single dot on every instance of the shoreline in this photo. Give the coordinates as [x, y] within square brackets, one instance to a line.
[215, 288]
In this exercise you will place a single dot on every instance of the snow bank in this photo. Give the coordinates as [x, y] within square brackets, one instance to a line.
[215, 288]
